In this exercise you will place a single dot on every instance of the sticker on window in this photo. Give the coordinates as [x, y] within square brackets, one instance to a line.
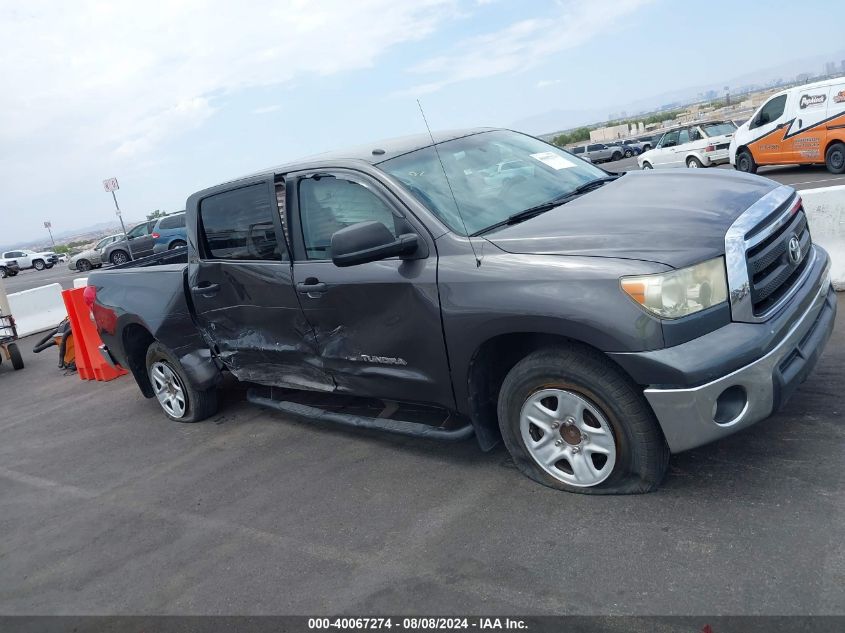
[556, 161]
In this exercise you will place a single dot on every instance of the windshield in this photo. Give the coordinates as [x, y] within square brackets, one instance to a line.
[718, 129]
[493, 176]
[103, 242]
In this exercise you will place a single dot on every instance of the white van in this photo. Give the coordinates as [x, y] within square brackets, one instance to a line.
[802, 125]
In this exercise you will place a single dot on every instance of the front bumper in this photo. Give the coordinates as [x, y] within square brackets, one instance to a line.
[752, 393]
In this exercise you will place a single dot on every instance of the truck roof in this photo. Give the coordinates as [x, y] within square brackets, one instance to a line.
[375, 152]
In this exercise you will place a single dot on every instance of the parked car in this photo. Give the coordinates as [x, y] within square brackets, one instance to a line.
[599, 152]
[8, 268]
[62, 257]
[169, 232]
[694, 145]
[632, 148]
[594, 322]
[92, 258]
[140, 245]
[30, 259]
[801, 125]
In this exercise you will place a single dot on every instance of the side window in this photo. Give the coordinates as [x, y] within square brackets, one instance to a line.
[578, 150]
[683, 136]
[138, 231]
[173, 222]
[772, 111]
[328, 204]
[695, 134]
[670, 139]
[239, 225]
[593, 148]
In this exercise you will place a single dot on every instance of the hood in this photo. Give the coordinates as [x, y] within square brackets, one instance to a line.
[676, 217]
[91, 252]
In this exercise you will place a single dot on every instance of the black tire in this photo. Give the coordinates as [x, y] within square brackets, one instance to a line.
[694, 163]
[83, 265]
[642, 454]
[745, 162]
[12, 273]
[834, 158]
[176, 244]
[616, 156]
[628, 153]
[647, 165]
[38, 264]
[15, 356]
[119, 257]
[199, 404]
[3, 273]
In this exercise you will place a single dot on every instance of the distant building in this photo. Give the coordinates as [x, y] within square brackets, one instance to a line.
[609, 133]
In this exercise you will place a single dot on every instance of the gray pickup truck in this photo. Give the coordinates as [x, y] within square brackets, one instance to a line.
[594, 322]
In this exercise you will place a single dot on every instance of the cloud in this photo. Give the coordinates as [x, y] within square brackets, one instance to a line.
[522, 45]
[546, 83]
[122, 77]
[267, 109]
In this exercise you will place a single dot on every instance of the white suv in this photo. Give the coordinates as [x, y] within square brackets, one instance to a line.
[31, 259]
[694, 145]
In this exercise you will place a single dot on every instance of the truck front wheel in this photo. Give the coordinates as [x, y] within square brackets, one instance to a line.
[179, 400]
[573, 421]
[745, 162]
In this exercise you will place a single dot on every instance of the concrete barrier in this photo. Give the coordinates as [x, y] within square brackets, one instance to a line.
[825, 208]
[37, 309]
[80, 282]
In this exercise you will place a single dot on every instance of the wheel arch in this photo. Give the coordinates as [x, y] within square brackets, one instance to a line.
[136, 341]
[491, 362]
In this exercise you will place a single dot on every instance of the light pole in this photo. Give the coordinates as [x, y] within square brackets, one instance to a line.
[110, 185]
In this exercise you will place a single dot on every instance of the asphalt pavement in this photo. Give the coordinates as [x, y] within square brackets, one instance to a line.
[106, 507]
[27, 279]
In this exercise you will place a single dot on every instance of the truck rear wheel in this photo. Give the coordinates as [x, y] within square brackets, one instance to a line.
[573, 421]
[178, 399]
[834, 158]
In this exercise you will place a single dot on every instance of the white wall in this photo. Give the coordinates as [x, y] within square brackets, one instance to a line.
[38, 309]
[825, 208]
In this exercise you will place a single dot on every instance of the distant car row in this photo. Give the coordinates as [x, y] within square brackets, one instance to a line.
[154, 236]
[12, 262]
[603, 152]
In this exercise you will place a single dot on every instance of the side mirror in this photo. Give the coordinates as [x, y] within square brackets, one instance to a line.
[369, 242]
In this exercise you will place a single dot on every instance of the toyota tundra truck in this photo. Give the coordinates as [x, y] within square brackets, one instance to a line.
[593, 322]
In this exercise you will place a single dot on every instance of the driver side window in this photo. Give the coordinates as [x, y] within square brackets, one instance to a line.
[328, 204]
[670, 139]
[772, 111]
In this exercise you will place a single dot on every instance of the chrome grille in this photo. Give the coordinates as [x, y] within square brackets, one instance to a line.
[771, 271]
[761, 275]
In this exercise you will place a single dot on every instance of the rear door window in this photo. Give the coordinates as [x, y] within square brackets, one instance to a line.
[238, 225]
[683, 136]
[173, 222]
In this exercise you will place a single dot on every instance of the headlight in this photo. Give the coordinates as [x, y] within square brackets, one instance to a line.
[680, 292]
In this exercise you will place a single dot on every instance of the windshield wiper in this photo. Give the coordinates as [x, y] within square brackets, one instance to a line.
[530, 212]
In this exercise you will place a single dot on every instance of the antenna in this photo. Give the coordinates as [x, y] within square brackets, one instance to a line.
[449, 183]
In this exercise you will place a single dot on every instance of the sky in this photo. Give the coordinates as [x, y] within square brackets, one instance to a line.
[171, 97]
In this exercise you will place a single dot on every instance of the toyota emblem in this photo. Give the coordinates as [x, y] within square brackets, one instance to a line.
[794, 250]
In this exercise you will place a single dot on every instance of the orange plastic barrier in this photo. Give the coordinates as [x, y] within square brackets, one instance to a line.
[89, 364]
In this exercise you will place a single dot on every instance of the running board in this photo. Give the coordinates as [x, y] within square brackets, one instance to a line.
[400, 427]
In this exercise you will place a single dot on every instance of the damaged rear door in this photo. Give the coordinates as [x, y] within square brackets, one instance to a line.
[240, 282]
[377, 324]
